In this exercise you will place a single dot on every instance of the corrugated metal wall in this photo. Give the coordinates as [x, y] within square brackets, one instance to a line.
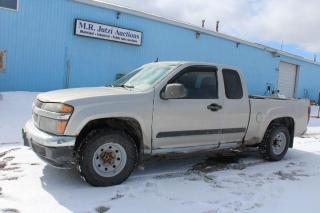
[40, 44]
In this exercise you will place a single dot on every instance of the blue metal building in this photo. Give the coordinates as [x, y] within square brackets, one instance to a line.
[42, 49]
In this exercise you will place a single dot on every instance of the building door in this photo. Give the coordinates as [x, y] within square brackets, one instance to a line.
[287, 79]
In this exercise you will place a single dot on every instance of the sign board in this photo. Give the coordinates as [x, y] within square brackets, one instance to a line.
[107, 32]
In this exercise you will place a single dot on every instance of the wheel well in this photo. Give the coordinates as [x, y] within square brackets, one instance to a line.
[129, 125]
[287, 122]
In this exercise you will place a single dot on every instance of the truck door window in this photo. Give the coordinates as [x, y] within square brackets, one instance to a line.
[232, 84]
[200, 82]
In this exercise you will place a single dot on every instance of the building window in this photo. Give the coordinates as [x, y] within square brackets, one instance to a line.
[2, 60]
[9, 4]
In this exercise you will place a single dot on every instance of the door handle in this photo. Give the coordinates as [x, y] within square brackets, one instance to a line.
[214, 107]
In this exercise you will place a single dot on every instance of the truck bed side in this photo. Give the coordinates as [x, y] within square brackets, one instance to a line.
[264, 110]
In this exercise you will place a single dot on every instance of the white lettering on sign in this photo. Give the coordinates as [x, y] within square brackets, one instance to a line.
[106, 32]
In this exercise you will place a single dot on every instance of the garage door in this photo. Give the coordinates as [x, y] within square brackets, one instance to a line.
[287, 79]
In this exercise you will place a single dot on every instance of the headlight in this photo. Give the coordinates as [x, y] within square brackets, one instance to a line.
[53, 126]
[52, 117]
[57, 107]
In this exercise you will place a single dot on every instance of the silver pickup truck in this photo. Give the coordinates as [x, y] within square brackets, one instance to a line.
[159, 108]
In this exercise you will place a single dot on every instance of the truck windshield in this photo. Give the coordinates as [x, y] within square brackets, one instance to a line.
[145, 77]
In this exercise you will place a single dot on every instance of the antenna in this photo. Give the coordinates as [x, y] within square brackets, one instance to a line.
[217, 26]
[203, 21]
[281, 44]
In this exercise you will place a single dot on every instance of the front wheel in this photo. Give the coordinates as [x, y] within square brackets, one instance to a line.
[107, 157]
[275, 143]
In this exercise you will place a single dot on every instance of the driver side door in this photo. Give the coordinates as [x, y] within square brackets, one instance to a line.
[191, 121]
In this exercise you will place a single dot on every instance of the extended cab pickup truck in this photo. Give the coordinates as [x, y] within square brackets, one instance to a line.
[159, 108]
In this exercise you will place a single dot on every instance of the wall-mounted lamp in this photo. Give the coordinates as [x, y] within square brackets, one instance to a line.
[118, 15]
[275, 54]
[197, 35]
[237, 44]
[2, 60]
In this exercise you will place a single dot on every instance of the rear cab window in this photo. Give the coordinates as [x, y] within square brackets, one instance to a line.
[232, 84]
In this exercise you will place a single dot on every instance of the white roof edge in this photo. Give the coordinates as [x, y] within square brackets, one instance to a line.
[118, 8]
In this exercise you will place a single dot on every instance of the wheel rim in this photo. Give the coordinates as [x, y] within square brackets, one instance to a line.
[109, 159]
[279, 143]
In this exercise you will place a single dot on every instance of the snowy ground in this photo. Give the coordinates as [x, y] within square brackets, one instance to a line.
[233, 183]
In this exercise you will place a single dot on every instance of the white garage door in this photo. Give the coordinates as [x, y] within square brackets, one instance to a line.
[287, 79]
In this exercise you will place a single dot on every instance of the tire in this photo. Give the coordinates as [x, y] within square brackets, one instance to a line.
[107, 157]
[275, 143]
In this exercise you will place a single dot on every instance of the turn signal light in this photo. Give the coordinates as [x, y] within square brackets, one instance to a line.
[67, 108]
[61, 126]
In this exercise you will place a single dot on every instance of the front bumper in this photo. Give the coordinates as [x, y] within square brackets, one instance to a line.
[55, 150]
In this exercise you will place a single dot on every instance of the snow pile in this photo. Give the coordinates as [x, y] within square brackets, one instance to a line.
[15, 110]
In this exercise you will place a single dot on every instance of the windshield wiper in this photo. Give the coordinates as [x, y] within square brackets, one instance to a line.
[124, 86]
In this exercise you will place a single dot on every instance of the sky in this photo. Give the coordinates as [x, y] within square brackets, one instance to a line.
[293, 25]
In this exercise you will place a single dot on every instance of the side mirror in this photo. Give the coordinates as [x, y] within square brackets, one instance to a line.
[173, 91]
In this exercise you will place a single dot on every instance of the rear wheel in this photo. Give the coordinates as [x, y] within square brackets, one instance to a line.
[275, 143]
[107, 157]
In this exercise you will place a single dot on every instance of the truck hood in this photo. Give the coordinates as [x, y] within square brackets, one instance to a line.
[66, 95]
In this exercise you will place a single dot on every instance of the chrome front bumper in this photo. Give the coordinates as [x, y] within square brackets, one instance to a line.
[55, 150]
